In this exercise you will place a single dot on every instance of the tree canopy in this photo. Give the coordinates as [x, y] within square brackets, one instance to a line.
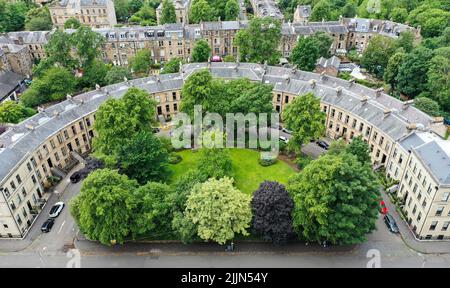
[272, 212]
[143, 158]
[54, 85]
[305, 119]
[336, 200]
[259, 42]
[201, 51]
[218, 210]
[104, 208]
[13, 112]
[118, 120]
[168, 13]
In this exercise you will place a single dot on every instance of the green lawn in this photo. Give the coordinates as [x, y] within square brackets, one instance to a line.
[247, 172]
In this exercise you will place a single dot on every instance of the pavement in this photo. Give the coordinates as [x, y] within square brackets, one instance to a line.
[421, 246]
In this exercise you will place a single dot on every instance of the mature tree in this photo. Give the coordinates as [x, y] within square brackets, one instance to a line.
[272, 212]
[118, 120]
[336, 200]
[376, 56]
[432, 21]
[104, 208]
[405, 41]
[412, 75]
[87, 44]
[259, 42]
[438, 78]
[196, 91]
[393, 66]
[54, 85]
[72, 23]
[117, 74]
[13, 112]
[323, 42]
[321, 11]
[337, 147]
[215, 163]
[58, 50]
[218, 210]
[349, 10]
[305, 54]
[399, 15]
[141, 62]
[427, 105]
[232, 10]
[93, 74]
[122, 9]
[38, 19]
[200, 11]
[168, 14]
[152, 214]
[309, 49]
[305, 119]
[172, 66]
[360, 149]
[146, 16]
[201, 51]
[12, 16]
[251, 98]
[143, 158]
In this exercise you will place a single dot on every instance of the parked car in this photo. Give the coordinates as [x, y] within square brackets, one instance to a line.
[286, 131]
[56, 210]
[322, 144]
[47, 226]
[284, 139]
[390, 223]
[76, 177]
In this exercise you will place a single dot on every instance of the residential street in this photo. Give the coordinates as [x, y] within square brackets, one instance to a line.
[51, 249]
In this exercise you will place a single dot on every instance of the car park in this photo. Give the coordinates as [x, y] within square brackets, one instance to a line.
[390, 223]
[47, 226]
[56, 209]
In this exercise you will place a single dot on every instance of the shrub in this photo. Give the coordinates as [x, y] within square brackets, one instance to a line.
[175, 158]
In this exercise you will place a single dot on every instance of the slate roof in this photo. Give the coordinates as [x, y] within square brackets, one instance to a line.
[20, 140]
[9, 82]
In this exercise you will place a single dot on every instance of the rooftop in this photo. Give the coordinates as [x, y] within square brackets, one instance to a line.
[8, 82]
[436, 156]
[27, 136]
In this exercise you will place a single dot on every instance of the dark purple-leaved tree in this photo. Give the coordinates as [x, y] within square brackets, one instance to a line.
[272, 207]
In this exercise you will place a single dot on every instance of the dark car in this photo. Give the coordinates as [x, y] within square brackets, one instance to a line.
[47, 226]
[390, 223]
[76, 177]
[322, 144]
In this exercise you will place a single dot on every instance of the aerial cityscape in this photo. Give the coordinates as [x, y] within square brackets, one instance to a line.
[224, 134]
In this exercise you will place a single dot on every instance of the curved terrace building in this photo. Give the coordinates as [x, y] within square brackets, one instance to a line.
[49, 143]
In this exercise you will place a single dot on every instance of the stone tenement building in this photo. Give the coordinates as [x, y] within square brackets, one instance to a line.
[49, 142]
[177, 40]
[95, 13]
[14, 57]
[181, 11]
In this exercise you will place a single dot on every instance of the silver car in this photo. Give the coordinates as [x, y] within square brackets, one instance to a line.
[56, 210]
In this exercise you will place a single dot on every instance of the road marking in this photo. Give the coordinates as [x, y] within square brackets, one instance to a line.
[60, 228]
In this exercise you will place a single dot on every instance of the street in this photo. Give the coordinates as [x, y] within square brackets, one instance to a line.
[63, 246]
